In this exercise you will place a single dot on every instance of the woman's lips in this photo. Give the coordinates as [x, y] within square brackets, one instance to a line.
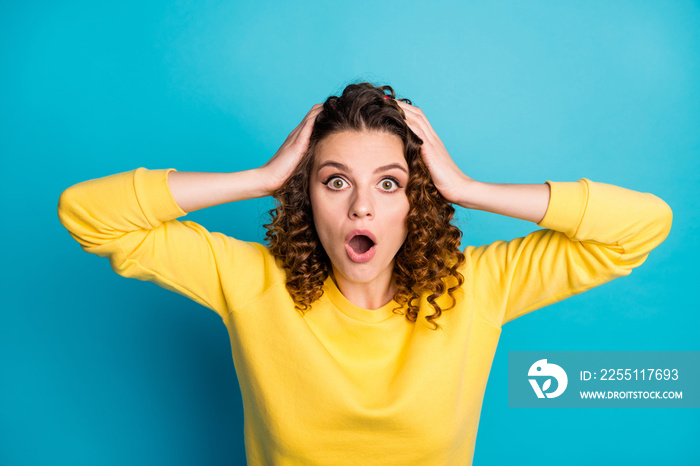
[356, 256]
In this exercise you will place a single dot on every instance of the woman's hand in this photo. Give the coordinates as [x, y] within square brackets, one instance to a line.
[282, 164]
[197, 190]
[448, 178]
[523, 201]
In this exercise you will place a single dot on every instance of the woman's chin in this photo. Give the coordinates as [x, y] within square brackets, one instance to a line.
[363, 272]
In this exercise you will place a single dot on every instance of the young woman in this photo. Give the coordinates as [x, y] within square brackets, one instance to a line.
[361, 334]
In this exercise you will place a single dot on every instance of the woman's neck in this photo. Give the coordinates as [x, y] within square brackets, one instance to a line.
[369, 295]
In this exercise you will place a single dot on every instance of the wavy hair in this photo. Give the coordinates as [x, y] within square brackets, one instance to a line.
[429, 259]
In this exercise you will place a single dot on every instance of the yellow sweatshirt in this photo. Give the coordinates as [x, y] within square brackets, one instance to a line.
[343, 385]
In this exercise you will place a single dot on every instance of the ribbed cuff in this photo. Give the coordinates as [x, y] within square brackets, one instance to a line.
[154, 196]
[567, 204]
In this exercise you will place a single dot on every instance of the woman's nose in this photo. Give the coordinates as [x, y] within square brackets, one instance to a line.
[361, 205]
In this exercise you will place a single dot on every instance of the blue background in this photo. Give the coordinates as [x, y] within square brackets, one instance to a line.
[96, 369]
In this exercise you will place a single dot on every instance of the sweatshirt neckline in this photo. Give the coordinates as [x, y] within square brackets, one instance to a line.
[353, 311]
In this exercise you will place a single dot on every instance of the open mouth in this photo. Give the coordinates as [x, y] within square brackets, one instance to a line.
[361, 245]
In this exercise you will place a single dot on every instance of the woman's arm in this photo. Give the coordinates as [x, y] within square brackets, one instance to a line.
[523, 201]
[197, 190]
[595, 232]
[131, 219]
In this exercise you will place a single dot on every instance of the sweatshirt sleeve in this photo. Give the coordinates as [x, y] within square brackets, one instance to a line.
[595, 232]
[130, 218]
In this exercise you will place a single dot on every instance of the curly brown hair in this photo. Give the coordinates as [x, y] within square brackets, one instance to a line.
[429, 256]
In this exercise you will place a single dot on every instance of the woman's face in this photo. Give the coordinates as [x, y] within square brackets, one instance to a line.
[359, 203]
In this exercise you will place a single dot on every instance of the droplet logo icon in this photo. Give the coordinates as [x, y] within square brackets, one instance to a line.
[541, 369]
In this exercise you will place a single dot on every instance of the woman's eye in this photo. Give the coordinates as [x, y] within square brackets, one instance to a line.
[388, 184]
[336, 183]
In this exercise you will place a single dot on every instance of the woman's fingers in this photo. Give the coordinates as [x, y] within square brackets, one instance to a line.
[418, 122]
[287, 157]
[417, 128]
[307, 124]
[304, 128]
[448, 178]
[302, 133]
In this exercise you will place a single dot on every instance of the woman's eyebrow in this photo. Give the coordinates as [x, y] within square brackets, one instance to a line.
[383, 168]
[391, 166]
[331, 163]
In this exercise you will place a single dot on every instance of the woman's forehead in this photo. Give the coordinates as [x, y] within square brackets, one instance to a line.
[361, 149]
